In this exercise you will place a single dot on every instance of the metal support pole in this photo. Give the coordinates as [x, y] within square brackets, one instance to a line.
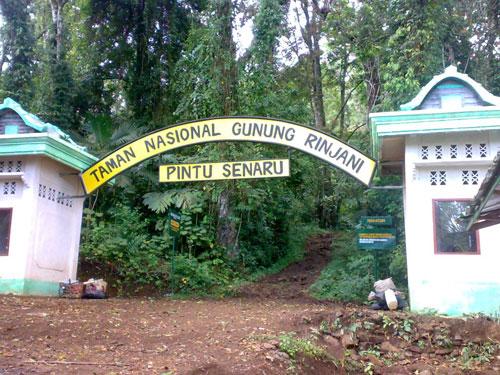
[172, 266]
[376, 265]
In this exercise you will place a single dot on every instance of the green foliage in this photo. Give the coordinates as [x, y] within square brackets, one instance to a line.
[126, 67]
[17, 50]
[293, 346]
[349, 276]
[397, 266]
[474, 354]
[293, 250]
[403, 328]
[205, 275]
[121, 242]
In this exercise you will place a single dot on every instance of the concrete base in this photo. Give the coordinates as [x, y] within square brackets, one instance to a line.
[455, 298]
[29, 287]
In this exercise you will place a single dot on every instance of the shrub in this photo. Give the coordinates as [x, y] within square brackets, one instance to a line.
[121, 244]
[349, 275]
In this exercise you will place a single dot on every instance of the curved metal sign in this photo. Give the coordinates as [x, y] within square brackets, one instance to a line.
[250, 129]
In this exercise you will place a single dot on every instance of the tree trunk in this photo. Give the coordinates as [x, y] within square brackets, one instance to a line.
[226, 73]
[57, 7]
[311, 34]
[372, 79]
[226, 228]
[342, 82]
[314, 16]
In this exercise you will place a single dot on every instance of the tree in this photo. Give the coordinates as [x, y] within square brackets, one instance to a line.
[482, 25]
[17, 51]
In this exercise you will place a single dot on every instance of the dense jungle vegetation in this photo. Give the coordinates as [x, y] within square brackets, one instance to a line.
[107, 71]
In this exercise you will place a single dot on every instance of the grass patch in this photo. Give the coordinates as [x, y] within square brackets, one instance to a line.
[477, 354]
[349, 276]
[293, 346]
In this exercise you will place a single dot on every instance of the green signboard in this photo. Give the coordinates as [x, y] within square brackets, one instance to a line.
[377, 239]
[376, 221]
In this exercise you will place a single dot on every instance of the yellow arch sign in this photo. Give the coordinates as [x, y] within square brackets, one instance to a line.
[251, 129]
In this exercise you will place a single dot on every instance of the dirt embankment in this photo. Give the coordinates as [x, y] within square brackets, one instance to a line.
[272, 328]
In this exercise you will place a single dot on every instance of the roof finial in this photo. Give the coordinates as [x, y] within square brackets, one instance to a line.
[451, 69]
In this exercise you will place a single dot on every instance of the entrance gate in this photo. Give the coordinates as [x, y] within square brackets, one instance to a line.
[249, 129]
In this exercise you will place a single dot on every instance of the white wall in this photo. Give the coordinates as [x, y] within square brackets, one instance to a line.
[54, 254]
[450, 283]
[13, 266]
[45, 229]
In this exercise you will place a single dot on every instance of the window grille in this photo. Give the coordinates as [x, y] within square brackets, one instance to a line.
[10, 166]
[453, 151]
[483, 151]
[9, 188]
[475, 177]
[442, 177]
[465, 178]
[468, 150]
[54, 195]
[433, 178]
[424, 152]
[439, 152]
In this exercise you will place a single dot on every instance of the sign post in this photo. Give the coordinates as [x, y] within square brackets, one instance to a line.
[174, 224]
[375, 234]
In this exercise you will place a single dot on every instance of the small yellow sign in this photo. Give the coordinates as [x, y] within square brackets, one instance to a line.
[225, 171]
[174, 225]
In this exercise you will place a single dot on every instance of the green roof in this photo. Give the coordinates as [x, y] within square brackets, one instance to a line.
[48, 140]
[451, 72]
[411, 119]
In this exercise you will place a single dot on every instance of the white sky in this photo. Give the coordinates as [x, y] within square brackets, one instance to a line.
[243, 35]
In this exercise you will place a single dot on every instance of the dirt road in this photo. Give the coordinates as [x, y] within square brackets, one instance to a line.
[232, 336]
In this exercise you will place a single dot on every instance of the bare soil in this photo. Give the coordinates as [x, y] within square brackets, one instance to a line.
[238, 335]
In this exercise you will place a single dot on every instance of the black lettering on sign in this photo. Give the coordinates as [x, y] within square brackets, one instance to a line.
[237, 170]
[257, 170]
[207, 171]
[267, 167]
[170, 171]
[343, 156]
[310, 139]
[247, 169]
[160, 142]
[254, 129]
[185, 172]
[111, 164]
[280, 170]
[150, 144]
